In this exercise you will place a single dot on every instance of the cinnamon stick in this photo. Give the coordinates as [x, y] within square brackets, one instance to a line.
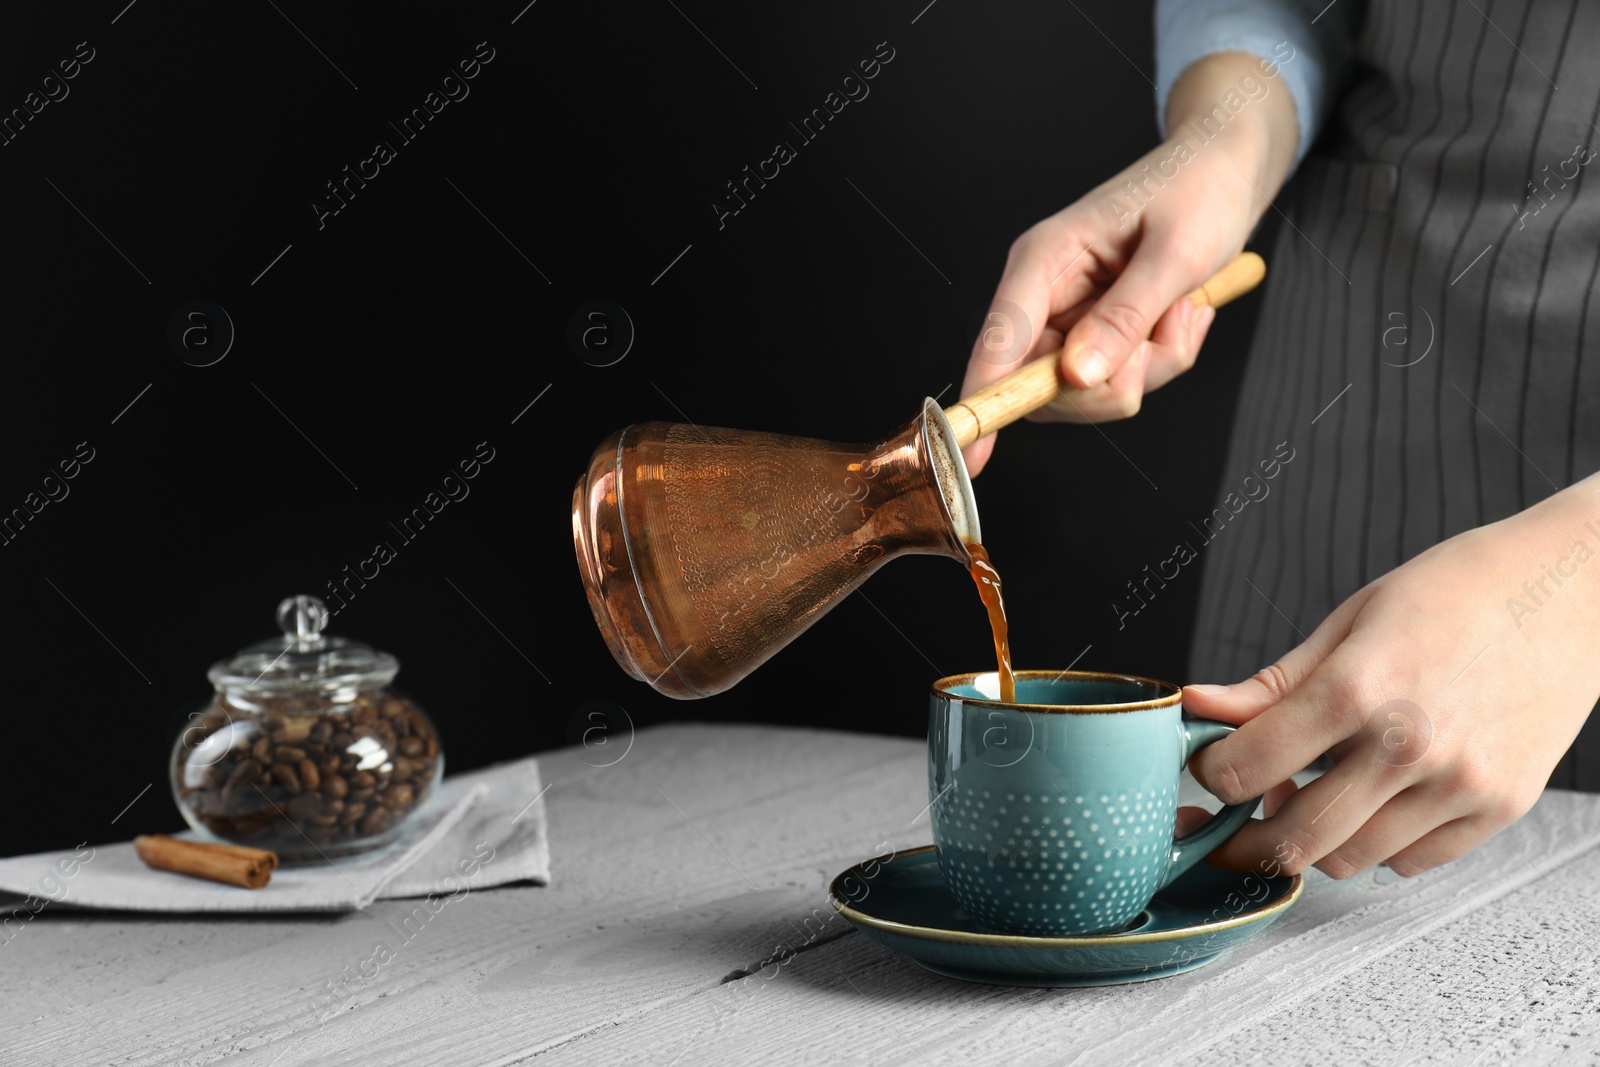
[248, 868]
[245, 851]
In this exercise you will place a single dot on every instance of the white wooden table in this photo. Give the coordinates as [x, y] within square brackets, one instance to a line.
[707, 850]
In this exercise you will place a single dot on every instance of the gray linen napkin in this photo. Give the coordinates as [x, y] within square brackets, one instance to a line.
[484, 828]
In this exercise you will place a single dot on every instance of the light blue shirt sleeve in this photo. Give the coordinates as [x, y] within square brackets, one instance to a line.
[1320, 34]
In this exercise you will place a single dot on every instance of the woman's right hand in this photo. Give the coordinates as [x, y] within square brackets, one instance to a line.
[1102, 281]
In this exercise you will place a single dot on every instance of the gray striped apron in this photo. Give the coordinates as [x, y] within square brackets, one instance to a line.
[1427, 342]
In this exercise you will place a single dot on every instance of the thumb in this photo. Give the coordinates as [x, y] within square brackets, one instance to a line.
[976, 455]
[1008, 338]
[1104, 338]
[1047, 271]
[1243, 701]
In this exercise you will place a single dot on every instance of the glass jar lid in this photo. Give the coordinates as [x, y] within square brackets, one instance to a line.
[303, 658]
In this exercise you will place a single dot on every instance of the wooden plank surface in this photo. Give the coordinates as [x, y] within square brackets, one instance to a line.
[1514, 982]
[694, 859]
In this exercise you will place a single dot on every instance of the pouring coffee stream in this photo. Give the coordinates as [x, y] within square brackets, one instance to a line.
[988, 580]
[703, 550]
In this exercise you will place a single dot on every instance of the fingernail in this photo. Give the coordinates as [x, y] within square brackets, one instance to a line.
[1186, 311]
[1207, 690]
[1093, 367]
[1206, 314]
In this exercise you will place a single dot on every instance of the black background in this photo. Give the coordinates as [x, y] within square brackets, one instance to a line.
[407, 330]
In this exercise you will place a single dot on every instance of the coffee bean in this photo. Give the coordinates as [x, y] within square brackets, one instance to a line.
[290, 775]
[286, 776]
[243, 776]
[304, 806]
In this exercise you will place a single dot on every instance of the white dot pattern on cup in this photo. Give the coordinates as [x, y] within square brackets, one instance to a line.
[1045, 864]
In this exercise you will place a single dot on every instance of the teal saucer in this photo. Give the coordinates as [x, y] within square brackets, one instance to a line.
[902, 904]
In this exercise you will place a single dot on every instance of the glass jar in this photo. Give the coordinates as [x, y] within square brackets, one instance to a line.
[305, 749]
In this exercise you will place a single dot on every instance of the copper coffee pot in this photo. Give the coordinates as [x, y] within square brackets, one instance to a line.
[703, 551]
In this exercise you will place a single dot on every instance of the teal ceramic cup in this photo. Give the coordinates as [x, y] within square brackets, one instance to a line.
[1054, 815]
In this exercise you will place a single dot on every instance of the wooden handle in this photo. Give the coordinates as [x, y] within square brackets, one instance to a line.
[1038, 383]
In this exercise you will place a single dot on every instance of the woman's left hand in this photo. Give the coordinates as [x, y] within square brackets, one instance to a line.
[1445, 691]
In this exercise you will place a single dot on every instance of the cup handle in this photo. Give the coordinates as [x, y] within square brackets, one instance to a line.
[1192, 848]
